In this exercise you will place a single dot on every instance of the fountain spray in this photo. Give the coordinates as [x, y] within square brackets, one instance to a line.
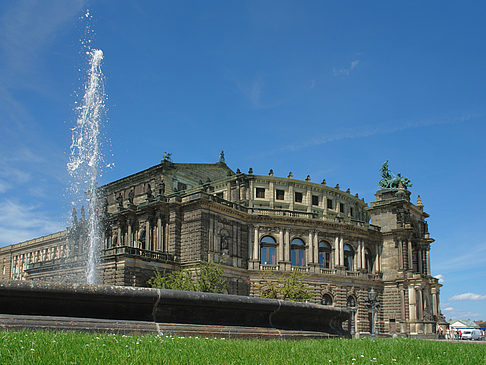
[85, 162]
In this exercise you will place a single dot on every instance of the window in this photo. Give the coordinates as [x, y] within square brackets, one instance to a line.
[341, 207]
[351, 302]
[268, 248]
[348, 257]
[351, 211]
[220, 195]
[326, 299]
[279, 194]
[260, 193]
[297, 252]
[315, 200]
[324, 254]
[329, 204]
[298, 197]
[368, 261]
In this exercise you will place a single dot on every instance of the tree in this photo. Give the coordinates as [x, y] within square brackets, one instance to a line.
[210, 278]
[207, 278]
[284, 286]
[294, 289]
[176, 280]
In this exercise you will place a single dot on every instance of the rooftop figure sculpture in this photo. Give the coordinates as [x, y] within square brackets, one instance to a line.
[390, 182]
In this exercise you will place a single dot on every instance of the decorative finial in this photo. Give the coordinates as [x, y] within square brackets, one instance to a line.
[356, 195]
[348, 191]
[323, 182]
[270, 173]
[221, 157]
[419, 201]
[82, 213]
[208, 179]
[238, 171]
[75, 216]
[291, 175]
[337, 186]
[250, 171]
[307, 178]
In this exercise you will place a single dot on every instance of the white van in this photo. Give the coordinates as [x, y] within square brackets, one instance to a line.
[471, 335]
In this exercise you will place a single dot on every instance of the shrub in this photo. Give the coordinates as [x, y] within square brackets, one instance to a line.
[208, 278]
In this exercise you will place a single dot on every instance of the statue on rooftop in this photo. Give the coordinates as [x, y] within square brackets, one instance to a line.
[388, 181]
[167, 157]
[221, 157]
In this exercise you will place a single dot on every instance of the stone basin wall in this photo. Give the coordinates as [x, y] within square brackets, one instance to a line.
[166, 306]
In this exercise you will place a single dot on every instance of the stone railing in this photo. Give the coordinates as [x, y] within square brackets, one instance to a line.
[135, 251]
[269, 267]
[301, 268]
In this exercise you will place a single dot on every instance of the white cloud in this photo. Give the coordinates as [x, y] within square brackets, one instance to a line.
[448, 309]
[20, 222]
[345, 71]
[468, 296]
[440, 277]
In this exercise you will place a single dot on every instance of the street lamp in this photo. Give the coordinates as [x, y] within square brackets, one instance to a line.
[373, 304]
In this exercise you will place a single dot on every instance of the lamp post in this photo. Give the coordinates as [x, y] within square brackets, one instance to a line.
[373, 304]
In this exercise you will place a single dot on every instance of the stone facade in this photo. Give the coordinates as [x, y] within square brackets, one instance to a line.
[174, 216]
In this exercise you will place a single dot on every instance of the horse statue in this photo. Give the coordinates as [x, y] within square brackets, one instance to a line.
[388, 181]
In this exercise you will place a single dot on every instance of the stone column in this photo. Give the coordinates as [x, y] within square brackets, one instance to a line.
[341, 251]
[251, 193]
[376, 264]
[336, 252]
[147, 234]
[118, 238]
[281, 246]
[359, 256]
[256, 243]
[316, 248]
[412, 303]
[400, 255]
[287, 245]
[291, 197]
[228, 191]
[271, 187]
[410, 253]
[427, 269]
[129, 233]
[309, 199]
[309, 248]
[420, 304]
[159, 234]
[250, 247]
[419, 260]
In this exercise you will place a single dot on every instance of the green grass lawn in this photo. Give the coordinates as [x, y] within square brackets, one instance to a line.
[38, 347]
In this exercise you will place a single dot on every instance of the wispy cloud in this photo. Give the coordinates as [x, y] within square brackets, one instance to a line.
[475, 256]
[468, 296]
[254, 93]
[441, 278]
[345, 71]
[20, 222]
[448, 309]
[369, 131]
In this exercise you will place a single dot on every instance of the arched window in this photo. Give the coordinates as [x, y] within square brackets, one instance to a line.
[268, 248]
[324, 254]
[326, 299]
[368, 261]
[297, 252]
[348, 257]
[351, 302]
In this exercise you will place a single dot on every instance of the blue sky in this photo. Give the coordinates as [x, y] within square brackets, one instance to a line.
[329, 89]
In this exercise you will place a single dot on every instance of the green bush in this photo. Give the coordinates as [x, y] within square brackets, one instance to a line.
[284, 286]
[207, 278]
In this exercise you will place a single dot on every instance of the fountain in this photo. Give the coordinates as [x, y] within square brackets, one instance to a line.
[84, 165]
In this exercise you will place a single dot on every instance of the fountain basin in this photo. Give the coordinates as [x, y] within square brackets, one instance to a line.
[172, 310]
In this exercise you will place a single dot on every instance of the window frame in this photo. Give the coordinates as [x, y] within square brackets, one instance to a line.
[297, 252]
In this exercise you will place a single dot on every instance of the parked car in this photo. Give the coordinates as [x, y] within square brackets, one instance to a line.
[471, 335]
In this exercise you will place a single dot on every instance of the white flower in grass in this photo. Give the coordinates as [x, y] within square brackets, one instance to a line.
[32, 350]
